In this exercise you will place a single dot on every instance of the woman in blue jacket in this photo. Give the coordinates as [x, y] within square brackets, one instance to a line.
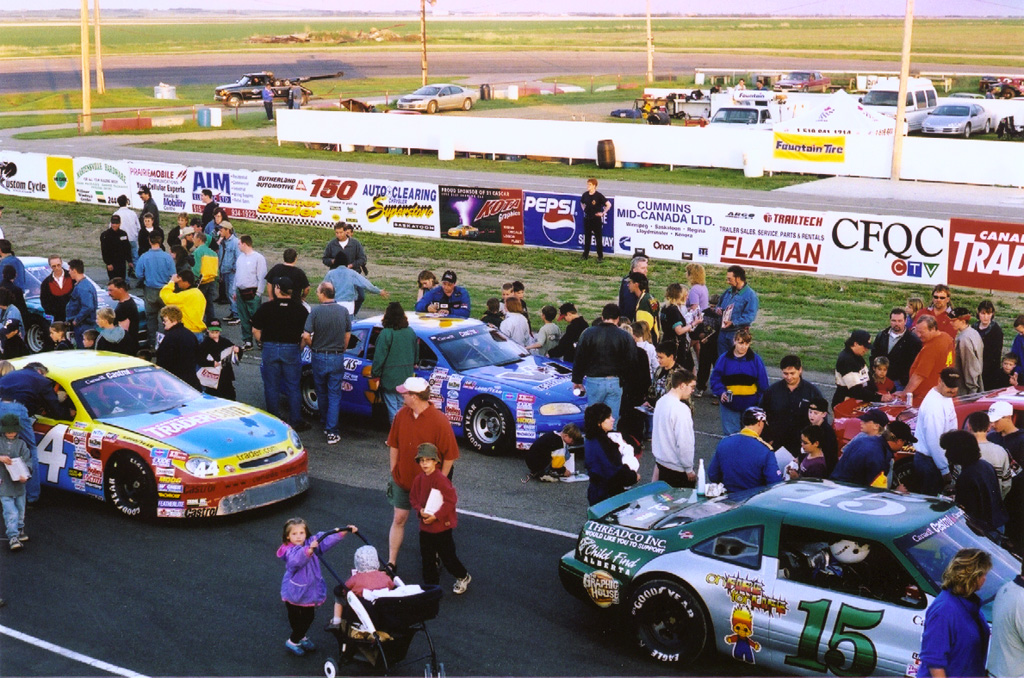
[609, 475]
[738, 380]
[955, 637]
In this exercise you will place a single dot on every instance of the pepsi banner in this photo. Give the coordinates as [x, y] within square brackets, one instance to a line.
[555, 220]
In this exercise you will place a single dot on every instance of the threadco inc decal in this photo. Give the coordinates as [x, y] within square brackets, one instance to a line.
[812, 148]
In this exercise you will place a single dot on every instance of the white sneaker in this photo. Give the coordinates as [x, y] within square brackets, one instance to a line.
[462, 584]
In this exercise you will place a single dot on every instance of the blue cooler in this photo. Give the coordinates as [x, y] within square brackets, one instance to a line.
[203, 117]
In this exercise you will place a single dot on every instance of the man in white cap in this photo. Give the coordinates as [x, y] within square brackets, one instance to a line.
[417, 422]
[935, 416]
[1006, 434]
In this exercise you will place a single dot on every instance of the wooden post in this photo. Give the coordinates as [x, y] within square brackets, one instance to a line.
[101, 86]
[650, 47]
[86, 76]
[901, 102]
[423, 42]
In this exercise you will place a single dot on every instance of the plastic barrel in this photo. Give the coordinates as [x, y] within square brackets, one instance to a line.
[485, 92]
[606, 154]
[203, 117]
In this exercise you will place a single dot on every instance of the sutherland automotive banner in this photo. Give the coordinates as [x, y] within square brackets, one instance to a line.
[810, 147]
[986, 254]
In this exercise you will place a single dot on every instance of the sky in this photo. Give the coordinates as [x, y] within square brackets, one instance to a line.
[761, 7]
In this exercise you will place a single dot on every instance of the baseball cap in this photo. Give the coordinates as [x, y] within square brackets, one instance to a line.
[819, 404]
[12, 324]
[752, 415]
[10, 423]
[427, 451]
[449, 276]
[900, 429]
[145, 189]
[875, 415]
[564, 309]
[998, 410]
[213, 326]
[862, 337]
[284, 282]
[413, 385]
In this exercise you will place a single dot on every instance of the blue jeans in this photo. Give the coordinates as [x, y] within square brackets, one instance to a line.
[730, 420]
[281, 372]
[605, 390]
[725, 341]
[328, 369]
[14, 515]
[229, 286]
[393, 401]
[927, 478]
[209, 291]
[154, 304]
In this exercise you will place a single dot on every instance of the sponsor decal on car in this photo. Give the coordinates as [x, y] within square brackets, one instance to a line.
[602, 588]
[749, 592]
[178, 425]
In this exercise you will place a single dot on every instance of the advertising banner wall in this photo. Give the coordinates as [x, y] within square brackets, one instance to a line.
[785, 240]
[482, 214]
[886, 247]
[986, 254]
[668, 229]
[100, 182]
[810, 147]
[168, 184]
[23, 174]
[60, 178]
[555, 220]
[232, 189]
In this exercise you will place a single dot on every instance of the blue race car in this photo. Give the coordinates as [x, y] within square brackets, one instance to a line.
[497, 395]
[37, 322]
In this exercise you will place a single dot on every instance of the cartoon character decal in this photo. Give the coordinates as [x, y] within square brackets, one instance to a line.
[744, 646]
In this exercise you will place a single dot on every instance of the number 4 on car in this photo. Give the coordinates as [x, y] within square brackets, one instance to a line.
[805, 577]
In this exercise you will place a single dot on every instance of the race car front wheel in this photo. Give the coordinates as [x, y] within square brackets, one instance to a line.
[488, 425]
[130, 485]
[670, 620]
[307, 389]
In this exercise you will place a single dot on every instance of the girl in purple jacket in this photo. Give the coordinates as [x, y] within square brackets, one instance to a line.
[303, 587]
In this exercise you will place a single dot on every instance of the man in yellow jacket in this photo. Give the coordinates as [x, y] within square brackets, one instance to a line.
[205, 270]
[181, 291]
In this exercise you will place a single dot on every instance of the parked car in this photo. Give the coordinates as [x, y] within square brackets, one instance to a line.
[37, 322]
[803, 81]
[152, 446]
[958, 119]
[434, 98]
[1002, 87]
[805, 577]
[742, 115]
[494, 392]
[921, 99]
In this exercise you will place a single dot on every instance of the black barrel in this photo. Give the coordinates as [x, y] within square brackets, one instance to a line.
[606, 154]
[485, 92]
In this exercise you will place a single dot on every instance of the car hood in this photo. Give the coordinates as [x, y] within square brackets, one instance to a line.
[542, 377]
[945, 120]
[209, 426]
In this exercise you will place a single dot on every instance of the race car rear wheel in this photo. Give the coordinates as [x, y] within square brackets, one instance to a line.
[37, 333]
[901, 473]
[671, 622]
[307, 390]
[130, 485]
[488, 426]
[330, 668]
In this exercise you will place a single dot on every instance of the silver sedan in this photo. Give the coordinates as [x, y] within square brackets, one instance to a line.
[434, 98]
[958, 119]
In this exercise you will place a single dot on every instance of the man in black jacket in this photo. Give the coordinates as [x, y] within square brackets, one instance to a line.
[115, 249]
[55, 290]
[149, 205]
[604, 356]
[566, 348]
[899, 344]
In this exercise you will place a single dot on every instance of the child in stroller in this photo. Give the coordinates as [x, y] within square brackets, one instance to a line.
[367, 577]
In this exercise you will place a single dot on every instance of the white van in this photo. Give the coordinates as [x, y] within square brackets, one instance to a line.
[921, 99]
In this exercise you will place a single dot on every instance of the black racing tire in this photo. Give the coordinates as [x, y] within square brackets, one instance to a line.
[467, 104]
[488, 426]
[902, 472]
[130, 485]
[330, 668]
[988, 126]
[671, 622]
[431, 107]
[37, 334]
[1008, 93]
[307, 389]
[967, 131]
[234, 101]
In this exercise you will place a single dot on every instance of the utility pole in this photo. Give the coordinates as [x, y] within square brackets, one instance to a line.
[101, 86]
[86, 83]
[423, 41]
[650, 47]
[901, 103]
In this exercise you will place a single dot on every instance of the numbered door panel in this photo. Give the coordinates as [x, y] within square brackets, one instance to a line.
[356, 394]
[853, 608]
[69, 457]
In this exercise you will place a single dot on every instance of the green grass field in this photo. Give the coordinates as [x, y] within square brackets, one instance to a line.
[964, 41]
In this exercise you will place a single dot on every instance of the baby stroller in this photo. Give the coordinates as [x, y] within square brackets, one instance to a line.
[380, 632]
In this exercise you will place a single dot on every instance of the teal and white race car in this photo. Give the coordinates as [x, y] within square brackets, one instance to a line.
[805, 577]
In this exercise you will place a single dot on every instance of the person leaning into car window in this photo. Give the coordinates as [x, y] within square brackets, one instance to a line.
[446, 299]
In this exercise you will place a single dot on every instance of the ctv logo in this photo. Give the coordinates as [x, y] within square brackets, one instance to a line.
[913, 269]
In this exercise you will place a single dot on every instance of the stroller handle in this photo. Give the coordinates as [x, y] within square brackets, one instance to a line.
[345, 529]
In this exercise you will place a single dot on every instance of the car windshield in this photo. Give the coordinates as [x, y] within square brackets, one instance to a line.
[736, 116]
[35, 275]
[797, 76]
[880, 97]
[428, 91]
[933, 546]
[466, 349]
[953, 111]
[137, 390]
[668, 509]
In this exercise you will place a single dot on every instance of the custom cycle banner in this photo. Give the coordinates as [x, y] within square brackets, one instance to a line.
[555, 220]
[809, 147]
[986, 254]
[100, 182]
[23, 174]
[886, 247]
[482, 214]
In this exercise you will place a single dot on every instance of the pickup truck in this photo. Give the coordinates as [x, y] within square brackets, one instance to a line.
[250, 88]
[803, 81]
[1002, 88]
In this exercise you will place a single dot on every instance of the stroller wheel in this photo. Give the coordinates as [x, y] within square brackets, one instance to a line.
[430, 671]
[330, 668]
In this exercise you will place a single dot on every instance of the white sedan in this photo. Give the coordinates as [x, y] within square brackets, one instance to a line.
[960, 119]
[434, 98]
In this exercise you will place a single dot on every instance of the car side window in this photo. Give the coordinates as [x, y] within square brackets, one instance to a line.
[739, 547]
[356, 343]
[374, 333]
[932, 98]
[845, 564]
[427, 358]
[447, 91]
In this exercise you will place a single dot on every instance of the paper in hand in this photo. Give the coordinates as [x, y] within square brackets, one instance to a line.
[435, 500]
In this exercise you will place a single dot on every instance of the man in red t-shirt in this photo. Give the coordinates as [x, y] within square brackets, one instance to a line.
[936, 354]
[940, 310]
[417, 422]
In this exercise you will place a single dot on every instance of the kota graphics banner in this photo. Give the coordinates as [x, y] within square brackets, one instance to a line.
[23, 174]
[555, 220]
[886, 247]
[809, 147]
[986, 254]
[481, 214]
[100, 182]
